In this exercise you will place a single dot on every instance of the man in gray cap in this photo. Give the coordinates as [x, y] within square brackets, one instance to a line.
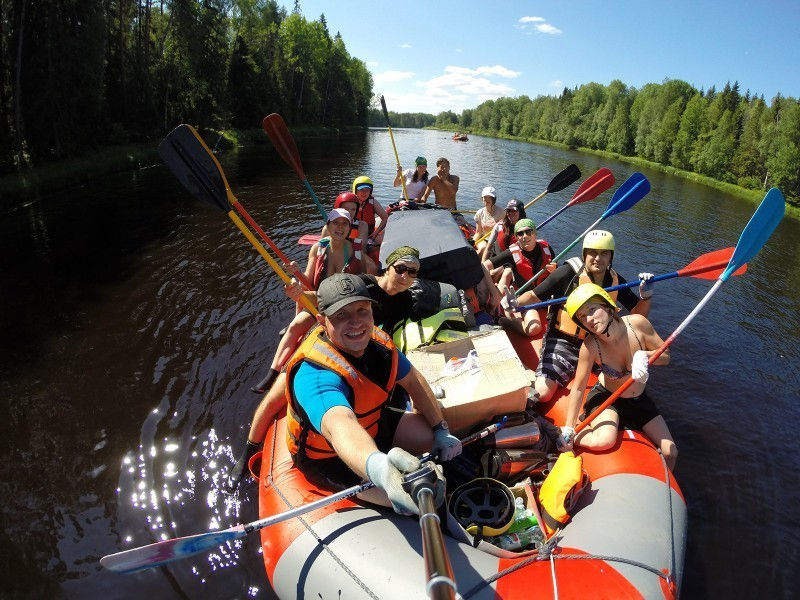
[341, 422]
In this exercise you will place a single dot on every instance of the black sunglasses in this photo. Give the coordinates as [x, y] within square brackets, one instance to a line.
[400, 269]
[524, 232]
[512, 210]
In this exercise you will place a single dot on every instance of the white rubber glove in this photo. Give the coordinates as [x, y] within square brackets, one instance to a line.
[646, 285]
[445, 445]
[509, 300]
[564, 441]
[386, 471]
[639, 367]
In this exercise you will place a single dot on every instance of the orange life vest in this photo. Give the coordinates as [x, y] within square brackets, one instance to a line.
[367, 398]
[504, 238]
[525, 267]
[563, 322]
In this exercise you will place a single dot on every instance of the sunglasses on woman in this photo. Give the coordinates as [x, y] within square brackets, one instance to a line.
[512, 210]
[400, 269]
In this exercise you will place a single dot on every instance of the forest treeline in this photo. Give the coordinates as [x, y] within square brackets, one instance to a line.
[729, 136]
[375, 118]
[77, 74]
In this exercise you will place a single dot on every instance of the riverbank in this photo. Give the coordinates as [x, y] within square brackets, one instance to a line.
[754, 196]
[18, 189]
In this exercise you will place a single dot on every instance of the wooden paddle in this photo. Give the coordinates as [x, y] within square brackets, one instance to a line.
[394, 147]
[196, 167]
[167, 551]
[757, 231]
[283, 141]
[589, 190]
[707, 266]
[629, 193]
[565, 178]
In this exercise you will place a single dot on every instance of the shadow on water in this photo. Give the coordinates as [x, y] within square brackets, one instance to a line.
[134, 320]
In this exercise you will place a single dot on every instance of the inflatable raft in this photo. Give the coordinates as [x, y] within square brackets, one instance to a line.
[626, 538]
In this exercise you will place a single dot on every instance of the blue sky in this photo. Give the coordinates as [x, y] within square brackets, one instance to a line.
[433, 56]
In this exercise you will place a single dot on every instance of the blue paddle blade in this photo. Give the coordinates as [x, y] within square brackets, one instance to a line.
[761, 225]
[629, 193]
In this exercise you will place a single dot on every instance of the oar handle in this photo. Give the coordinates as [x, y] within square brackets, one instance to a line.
[301, 277]
[653, 357]
[394, 147]
[270, 261]
[553, 216]
[315, 199]
[539, 197]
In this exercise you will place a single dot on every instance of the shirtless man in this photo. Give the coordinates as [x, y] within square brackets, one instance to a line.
[443, 185]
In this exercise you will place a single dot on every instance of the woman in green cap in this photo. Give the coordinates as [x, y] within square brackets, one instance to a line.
[416, 179]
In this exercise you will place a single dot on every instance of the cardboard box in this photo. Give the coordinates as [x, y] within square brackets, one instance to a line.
[499, 386]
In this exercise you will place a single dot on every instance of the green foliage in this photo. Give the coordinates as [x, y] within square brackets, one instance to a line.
[724, 135]
[75, 75]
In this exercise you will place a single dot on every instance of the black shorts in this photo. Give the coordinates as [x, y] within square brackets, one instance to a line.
[634, 413]
[333, 473]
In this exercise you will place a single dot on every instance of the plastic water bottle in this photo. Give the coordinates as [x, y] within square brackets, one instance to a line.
[469, 318]
[523, 518]
[519, 540]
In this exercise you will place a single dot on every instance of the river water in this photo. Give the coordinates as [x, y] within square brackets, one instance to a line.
[134, 320]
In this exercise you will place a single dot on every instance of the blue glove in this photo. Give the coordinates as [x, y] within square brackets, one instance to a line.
[445, 445]
[646, 285]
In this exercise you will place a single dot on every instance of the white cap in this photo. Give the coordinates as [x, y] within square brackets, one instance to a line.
[338, 213]
[488, 191]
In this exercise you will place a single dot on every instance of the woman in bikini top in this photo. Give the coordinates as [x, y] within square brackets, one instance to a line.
[607, 370]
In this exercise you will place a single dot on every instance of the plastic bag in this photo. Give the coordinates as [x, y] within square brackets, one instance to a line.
[454, 366]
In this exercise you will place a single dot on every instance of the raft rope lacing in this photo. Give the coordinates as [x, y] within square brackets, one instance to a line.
[546, 553]
[327, 548]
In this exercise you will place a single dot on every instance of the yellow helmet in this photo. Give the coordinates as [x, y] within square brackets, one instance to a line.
[583, 294]
[361, 181]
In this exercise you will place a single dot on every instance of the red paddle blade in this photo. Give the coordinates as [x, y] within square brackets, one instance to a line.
[595, 185]
[711, 265]
[283, 141]
[309, 239]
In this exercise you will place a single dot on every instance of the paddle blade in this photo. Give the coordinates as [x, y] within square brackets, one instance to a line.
[385, 112]
[710, 265]
[629, 193]
[757, 231]
[567, 177]
[284, 142]
[593, 187]
[191, 161]
[160, 553]
[309, 239]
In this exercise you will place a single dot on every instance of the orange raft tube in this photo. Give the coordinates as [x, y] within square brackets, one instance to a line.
[625, 540]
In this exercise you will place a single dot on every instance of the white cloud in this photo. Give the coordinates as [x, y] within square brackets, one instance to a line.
[556, 84]
[405, 45]
[391, 76]
[459, 50]
[455, 88]
[372, 63]
[539, 24]
[547, 28]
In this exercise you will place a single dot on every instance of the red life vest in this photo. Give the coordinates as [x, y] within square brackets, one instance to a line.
[352, 264]
[366, 400]
[366, 213]
[504, 240]
[524, 266]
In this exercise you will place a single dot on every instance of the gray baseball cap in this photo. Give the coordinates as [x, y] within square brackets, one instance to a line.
[339, 290]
